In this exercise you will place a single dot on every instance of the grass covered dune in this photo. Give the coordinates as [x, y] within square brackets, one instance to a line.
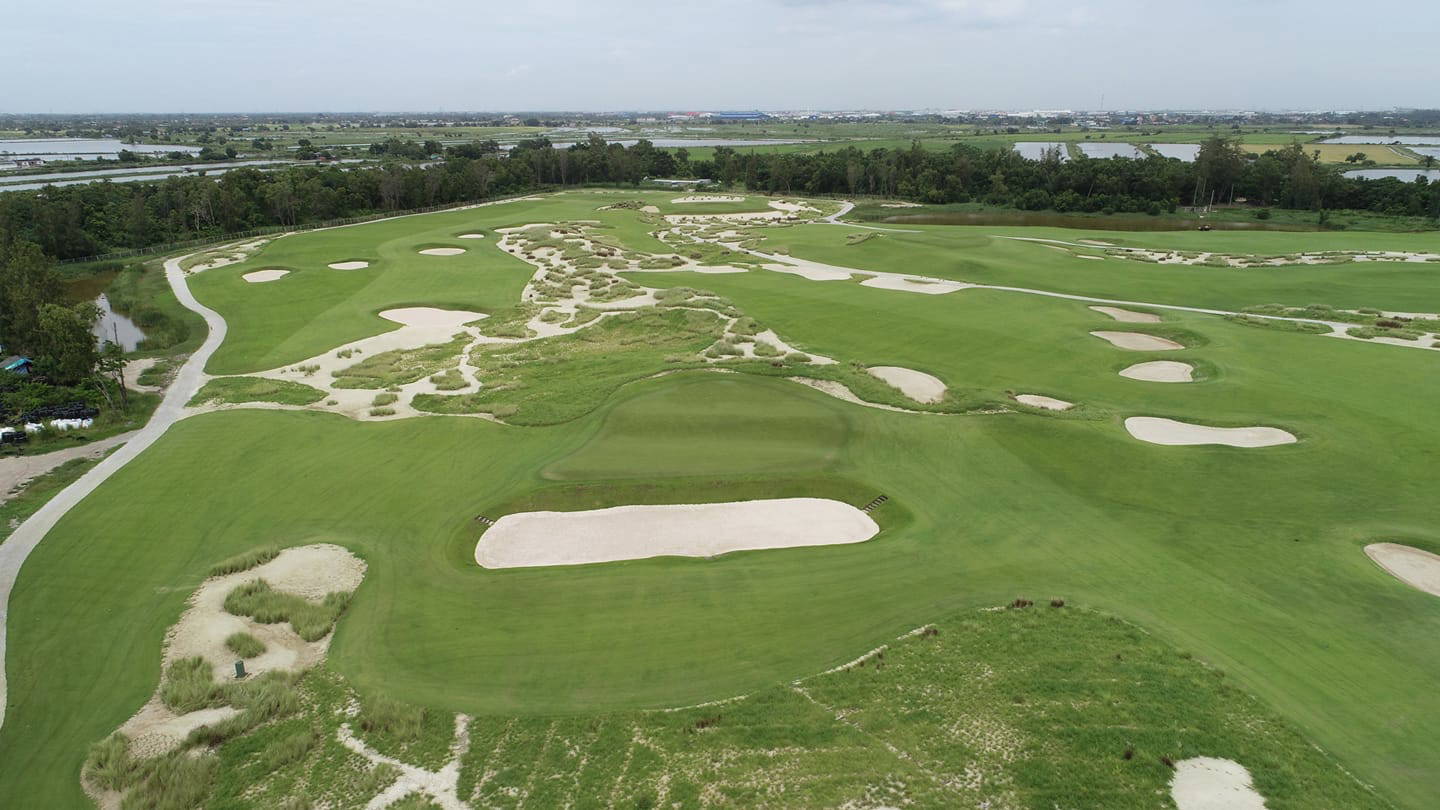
[1250, 560]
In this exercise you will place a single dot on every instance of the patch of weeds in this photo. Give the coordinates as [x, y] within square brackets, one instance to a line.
[244, 645]
[158, 374]
[382, 411]
[266, 605]
[239, 390]
[1370, 332]
[1284, 326]
[401, 366]
[109, 765]
[450, 380]
[245, 560]
[384, 399]
[189, 686]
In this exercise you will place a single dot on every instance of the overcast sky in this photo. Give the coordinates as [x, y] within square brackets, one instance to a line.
[351, 55]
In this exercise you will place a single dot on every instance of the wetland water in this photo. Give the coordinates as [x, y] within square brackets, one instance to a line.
[112, 327]
[80, 148]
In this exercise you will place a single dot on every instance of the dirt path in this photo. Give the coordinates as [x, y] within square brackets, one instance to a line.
[188, 380]
[18, 470]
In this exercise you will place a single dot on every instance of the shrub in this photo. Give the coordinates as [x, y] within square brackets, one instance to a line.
[189, 686]
[109, 765]
[244, 645]
[384, 399]
[382, 411]
[245, 561]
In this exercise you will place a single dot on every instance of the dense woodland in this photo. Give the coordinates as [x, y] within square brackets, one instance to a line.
[87, 220]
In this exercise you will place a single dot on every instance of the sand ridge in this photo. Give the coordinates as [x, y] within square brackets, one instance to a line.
[1157, 430]
[916, 385]
[1413, 566]
[1161, 371]
[528, 539]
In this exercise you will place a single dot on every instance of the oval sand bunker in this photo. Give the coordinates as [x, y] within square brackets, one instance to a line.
[471, 236]
[916, 385]
[261, 276]
[431, 316]
[442, 251]
[528, 539]
[1138, 341]
[1127, 315]
[1155, 430]
[1412, 566]
[1207, 783]
[349, 265]
[1041, 401]
[1161, 371]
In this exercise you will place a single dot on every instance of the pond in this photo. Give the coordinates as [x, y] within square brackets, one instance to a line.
[1092, 223]
[1035, 150]
[80, 148]
[1109, 150]
[1186, 152]
[1407, 175]
[112, 327]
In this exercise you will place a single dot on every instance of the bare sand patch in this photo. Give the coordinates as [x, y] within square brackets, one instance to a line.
[900, 205]
[1086, 256]
[649, 209]
[471, 236]
[707, 198]
[1412, 566]
[529, 539]
[261, 276]
[1206, 783]
[1161, 371]
[356, 265]
[431, 316]
[1156, 430]
[1138, 341]
[913, 284]
[310, 572]
[442, 251]
[916, 385]
[1041, 401]
[1128, 316]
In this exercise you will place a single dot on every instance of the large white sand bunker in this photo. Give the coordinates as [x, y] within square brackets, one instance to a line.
[1138, 341]
[914, 284]
[916, 385]
[442, 251]
[431, 316]
[1127, 315]
[1041, 401]
[355, 265]
[530, 539]
[1412, 566]
[261, 276]
[1161, 371]
[1206, 783]
[471, 236]
[1155, 430]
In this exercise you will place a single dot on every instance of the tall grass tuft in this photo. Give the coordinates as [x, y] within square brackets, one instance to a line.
[244, 645]
[189, 685]
[176, 781]
[109, 765]
[268, 606]
[391, 718]
[245, 561]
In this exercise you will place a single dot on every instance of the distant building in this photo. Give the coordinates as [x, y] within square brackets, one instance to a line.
[753, 115]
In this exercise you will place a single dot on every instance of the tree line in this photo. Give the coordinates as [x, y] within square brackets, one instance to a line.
[85, 220]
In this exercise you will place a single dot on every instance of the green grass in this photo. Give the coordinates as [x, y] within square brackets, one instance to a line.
[123, 418]
[20, 506]
[1249, 559]
[239, 390]
[244, 645]
[244, 561]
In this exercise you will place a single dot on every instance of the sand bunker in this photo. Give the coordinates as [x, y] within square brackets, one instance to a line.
[1161, 371]
[913, 284]
[471, 236]
[442, 251]
[260, 276]
[431, 316]
[707, 198]
[1048, 403]
[1138, 341]
[1206, 783]
[916, 385]
[1168, 431]
[1128, 316]
[1412, 566]
[349, 265]
[530, 539]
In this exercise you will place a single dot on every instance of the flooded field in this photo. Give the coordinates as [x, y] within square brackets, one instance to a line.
[81, 148]
[1408, 175]
[1180, 151]
[1035, 150]
[1110, 150]
[1403, 140]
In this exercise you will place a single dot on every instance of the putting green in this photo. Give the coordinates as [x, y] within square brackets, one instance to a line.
[1248, 558]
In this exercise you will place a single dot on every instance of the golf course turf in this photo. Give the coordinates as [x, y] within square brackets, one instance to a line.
[1247, 559]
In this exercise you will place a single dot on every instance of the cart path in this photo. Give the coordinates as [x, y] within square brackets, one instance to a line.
[187, 381]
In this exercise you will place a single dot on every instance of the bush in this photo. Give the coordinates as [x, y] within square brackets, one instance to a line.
[1262, 213]
[244, 645]
[245, 561]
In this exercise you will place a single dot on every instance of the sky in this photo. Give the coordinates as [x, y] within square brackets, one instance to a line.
[583, 55]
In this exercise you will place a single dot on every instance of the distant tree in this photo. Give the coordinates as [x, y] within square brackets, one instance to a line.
[28, 282]
[64, 346]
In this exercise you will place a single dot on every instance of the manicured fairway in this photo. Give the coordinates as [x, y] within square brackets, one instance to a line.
[1249, 559]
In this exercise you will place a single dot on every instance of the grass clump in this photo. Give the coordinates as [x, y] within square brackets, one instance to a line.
[245, 561]
[449, 380]
[401, 366]
[382, 411]
[244, 645]
[1284, 326]
[239, 390]
[1369, 332]
[189, 686]
[384, 399]
[266, 605]
[109, 765]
